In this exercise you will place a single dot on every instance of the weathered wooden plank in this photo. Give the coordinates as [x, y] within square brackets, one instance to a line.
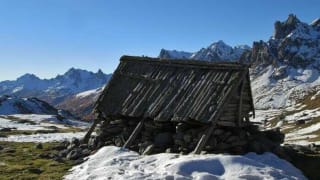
[203, 140]
[92, 128]
[227, 118]
[240, 103]
[182, 63]
[227, 123]
[134, 134]
[207, 99]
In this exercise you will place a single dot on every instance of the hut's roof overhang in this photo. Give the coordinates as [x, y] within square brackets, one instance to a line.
[165, 90]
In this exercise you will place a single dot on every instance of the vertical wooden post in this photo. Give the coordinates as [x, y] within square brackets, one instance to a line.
[240, 104]
[93, 126]
[134, 134]
[203, 140]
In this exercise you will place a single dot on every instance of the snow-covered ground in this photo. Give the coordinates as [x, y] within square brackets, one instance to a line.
[50, 137]
[40, 122]
[303, 134]
[92, 92]
[116, 163]
[271, 93]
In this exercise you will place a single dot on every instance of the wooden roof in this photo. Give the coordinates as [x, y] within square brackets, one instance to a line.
[167, 90]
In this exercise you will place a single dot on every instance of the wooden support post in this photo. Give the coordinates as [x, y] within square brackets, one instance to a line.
[93, 126]
[203, 140]
[240, 104]
[134, 134]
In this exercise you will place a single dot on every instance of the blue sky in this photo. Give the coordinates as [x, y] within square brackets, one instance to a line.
[47, 37]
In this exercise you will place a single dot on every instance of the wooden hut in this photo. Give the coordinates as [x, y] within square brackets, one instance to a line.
[172, 91]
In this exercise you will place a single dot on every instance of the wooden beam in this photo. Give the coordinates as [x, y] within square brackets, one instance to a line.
[203, 140]
[92, 128]
[240, 103]
[251, 97]
[134, 134]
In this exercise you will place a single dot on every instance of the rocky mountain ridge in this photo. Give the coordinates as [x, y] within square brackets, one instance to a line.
[217, 51]
[57, 89]
[287, 66]
[15, 105]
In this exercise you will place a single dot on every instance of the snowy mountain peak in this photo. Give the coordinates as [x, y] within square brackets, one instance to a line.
[28, 77]
[220, 51]
[315, 22]
[217, 51]
[282, 29]
[54, 90]
[174, 54]
[287, 66]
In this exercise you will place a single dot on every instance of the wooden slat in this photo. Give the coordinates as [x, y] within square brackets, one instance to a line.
[240, 103]
[204, 138]
[92, 128]
[134, 134]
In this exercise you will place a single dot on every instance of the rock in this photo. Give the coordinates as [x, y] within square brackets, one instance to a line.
[279, 73]
[218, 132]
[65, 143]
[58, 159]
[45, 156]
[222, 146]
[86, 152]
[187, 138]
[5, 130]
[181, 127]
[59, 147]
[92, 143]
[39, 146]
[75, 141]
[8, 150]
[83, 146]
[63, 153]
[148, 150]
[74, 154]
[301, 121]
[118, 141]
[274, 135]
[232, 139]
[78, 161]
[163, 139]
[3, 136]
[35, 170]
[169, 150]
[143, 146]
[114, 129]
[255, 147]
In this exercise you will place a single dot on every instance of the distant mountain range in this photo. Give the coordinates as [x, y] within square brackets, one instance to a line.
[283, 70]
[217, 51]
[56, 91]
[15, 105]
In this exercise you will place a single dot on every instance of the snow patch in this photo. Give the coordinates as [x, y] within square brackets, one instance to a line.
[50, 137]
[117, 163]
[89, 92]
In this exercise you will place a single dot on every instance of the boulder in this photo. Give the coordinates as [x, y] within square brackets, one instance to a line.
[163, 139]
[39, 146]
[74, 154]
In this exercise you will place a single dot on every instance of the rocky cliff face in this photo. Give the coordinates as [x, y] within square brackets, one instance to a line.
[287, 66]
[294, 43]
